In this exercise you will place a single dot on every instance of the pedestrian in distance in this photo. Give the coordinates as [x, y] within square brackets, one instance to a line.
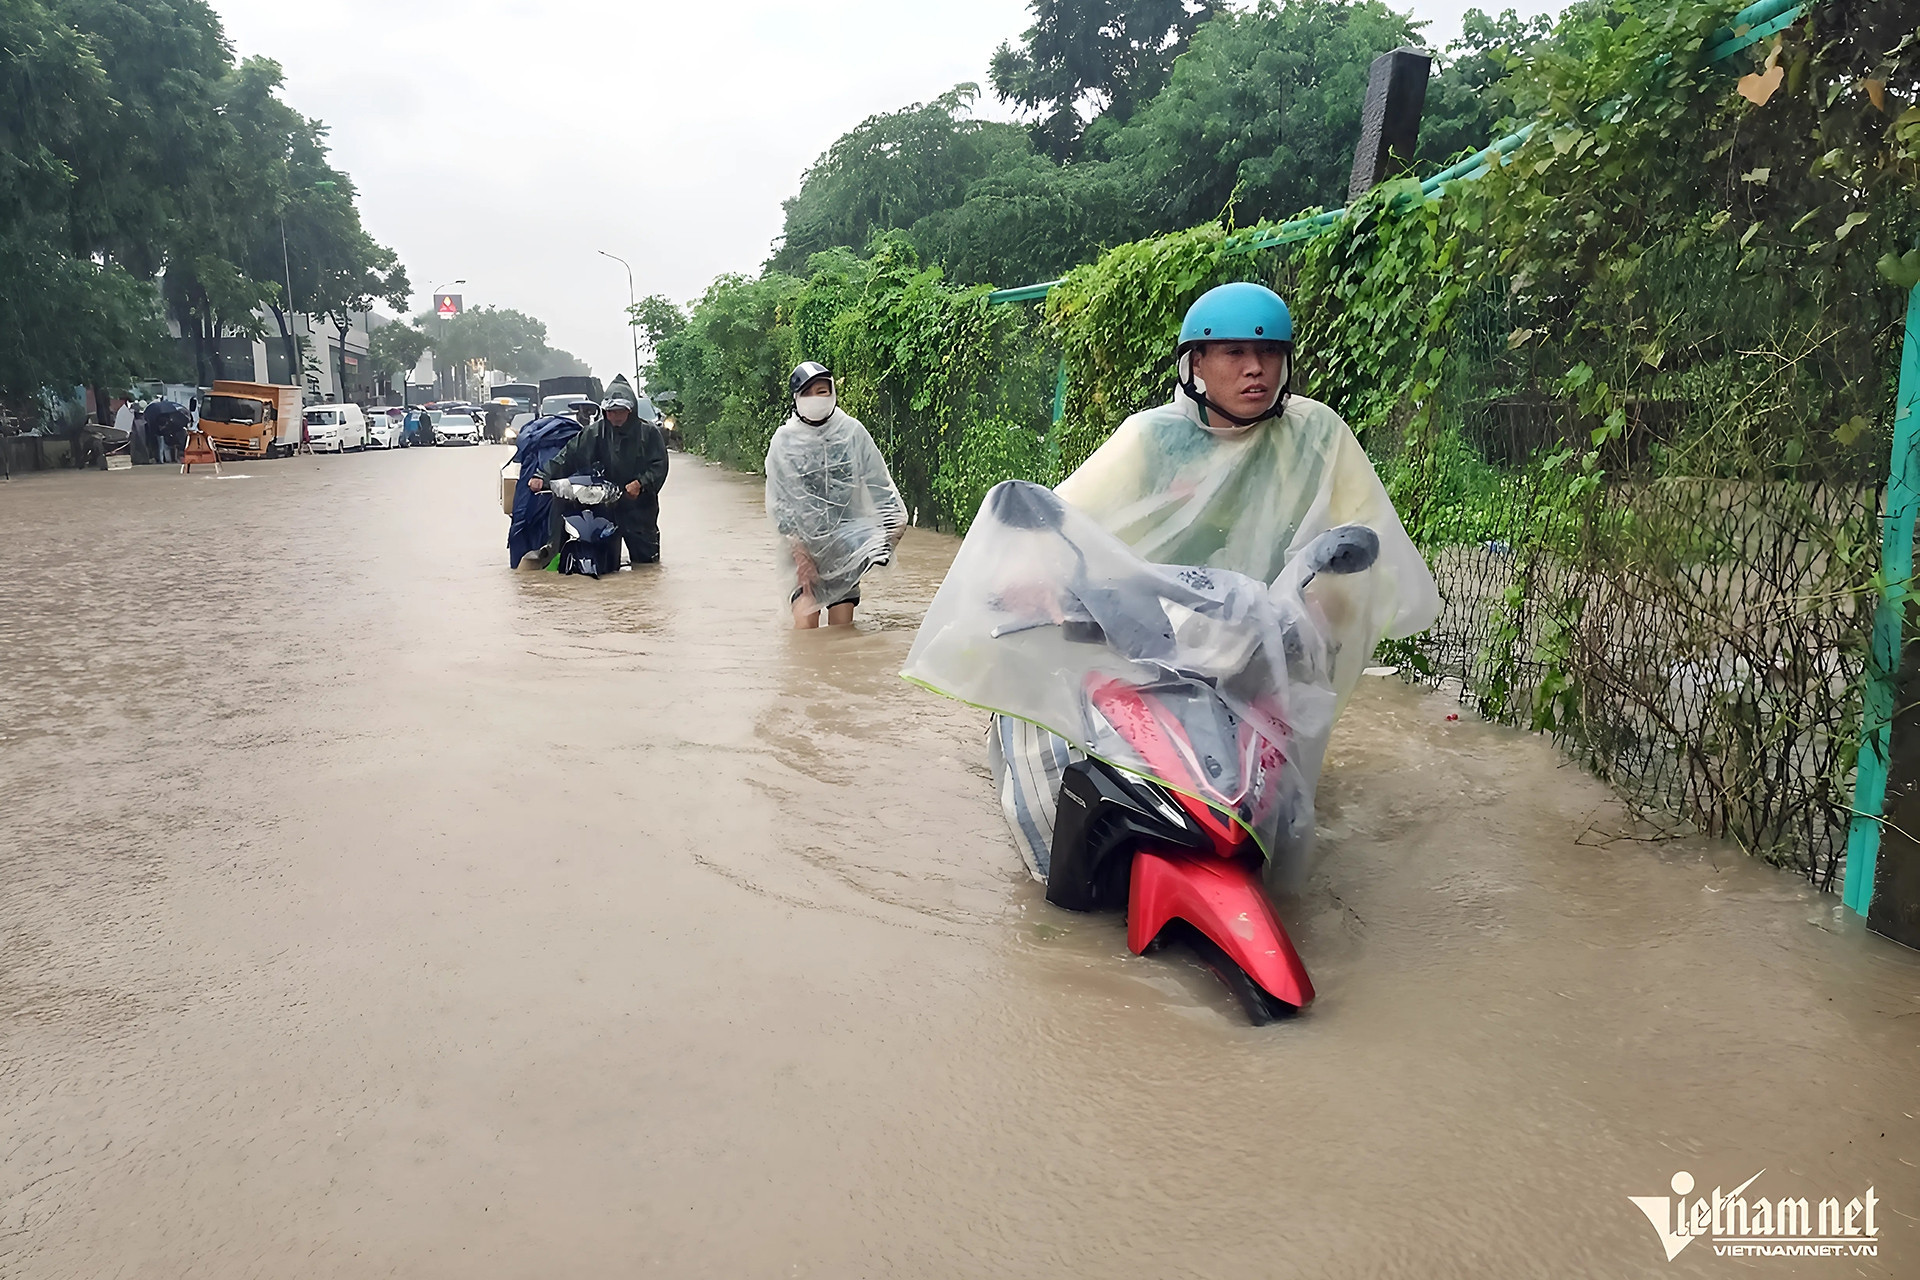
[140, 443]
[178, 427]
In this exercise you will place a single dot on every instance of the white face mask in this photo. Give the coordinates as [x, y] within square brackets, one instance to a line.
[815, 408]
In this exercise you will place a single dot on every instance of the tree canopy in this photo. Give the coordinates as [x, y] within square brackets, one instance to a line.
[500, 338]
[144, 172]
[1199, 112]
[64, 317]
[1148, 117]
[1262, 113]
[1106, 56]
[394, 349]
[890, 170]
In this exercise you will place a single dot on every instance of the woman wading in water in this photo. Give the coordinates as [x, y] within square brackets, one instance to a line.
[832, 502]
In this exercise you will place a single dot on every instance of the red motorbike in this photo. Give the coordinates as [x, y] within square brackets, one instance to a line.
[1180, 866]
[1170, 838]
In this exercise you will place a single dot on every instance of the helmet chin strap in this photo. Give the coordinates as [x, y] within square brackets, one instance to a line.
[1190, 384]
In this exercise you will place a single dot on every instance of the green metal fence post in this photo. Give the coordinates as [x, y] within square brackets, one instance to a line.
[1059, 415]
[1883, 664]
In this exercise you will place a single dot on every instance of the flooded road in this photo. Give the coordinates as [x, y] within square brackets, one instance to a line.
[371, 909]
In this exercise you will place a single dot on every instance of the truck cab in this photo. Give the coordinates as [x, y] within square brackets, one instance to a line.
[251, 419]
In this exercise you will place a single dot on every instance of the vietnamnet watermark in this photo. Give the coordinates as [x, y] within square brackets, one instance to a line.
[1739, 1227]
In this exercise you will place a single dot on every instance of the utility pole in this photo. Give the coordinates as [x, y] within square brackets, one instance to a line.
[633, 323]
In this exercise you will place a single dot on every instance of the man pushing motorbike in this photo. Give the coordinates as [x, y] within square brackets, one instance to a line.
[625, 447]
[1235, 473]
[1167, 639]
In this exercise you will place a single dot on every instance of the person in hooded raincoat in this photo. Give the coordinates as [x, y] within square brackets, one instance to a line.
[832, 501]
[1237, 472]
[624, 446]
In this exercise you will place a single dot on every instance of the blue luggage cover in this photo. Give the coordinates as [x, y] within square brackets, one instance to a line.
[538, 442]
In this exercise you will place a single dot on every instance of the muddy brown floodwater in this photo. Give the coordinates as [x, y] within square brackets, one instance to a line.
[369, 909]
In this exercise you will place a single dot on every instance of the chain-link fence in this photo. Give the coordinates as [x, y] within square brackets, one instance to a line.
[1692, 622]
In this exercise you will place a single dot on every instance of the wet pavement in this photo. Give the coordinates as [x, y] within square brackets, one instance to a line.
[367, 908]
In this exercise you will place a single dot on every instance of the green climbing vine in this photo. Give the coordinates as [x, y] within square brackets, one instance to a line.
[952, 389]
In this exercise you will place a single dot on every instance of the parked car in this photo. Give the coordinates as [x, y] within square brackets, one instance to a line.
[336, 428]
[454, 428]
[385, 427]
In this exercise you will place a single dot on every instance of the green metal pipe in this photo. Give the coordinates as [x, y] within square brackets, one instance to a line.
[1753, 24]
[1883, 661]
[1472, 165]
[1025, 293]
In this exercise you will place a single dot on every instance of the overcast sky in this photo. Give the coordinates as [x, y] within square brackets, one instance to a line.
[665, 133]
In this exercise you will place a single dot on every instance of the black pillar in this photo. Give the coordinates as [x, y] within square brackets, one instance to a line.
[1389, 117]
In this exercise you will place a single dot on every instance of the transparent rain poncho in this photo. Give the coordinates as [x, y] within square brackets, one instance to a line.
[830, 496]
[1223, 551]
[1205, 680]
[1250, 500]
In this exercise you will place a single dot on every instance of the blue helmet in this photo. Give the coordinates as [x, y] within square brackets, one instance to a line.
[1246, 312]
[1242, 312]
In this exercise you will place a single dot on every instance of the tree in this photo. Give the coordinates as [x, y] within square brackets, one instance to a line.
[1470, 95]
[560, 363]
[657, 318]
[356, 271]
[728, 367]
[123, 175]
[497, 337]
[888, 172]
[145, 181]
[1263, 112]
[192, 163]
[1033, 220]
[314, 235]
[503, 339]
[65, 318]
[394, 349]
[1110, 56]
[134, 148]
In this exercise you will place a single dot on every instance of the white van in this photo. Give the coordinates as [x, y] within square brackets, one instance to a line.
[337, 428]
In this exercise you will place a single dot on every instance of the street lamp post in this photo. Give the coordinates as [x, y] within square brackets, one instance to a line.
[437, 291]
[633, 323]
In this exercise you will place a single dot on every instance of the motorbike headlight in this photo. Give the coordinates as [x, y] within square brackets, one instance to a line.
[1163, 804]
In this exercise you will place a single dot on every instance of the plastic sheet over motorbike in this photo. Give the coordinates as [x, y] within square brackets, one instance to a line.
[588, 491]
[830, 497]
[537, 445]
[1226, 684]
[1252, 501]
